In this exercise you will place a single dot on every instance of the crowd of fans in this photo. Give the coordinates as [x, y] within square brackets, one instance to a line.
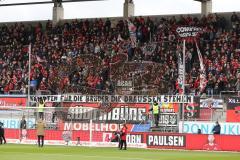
[91, 56]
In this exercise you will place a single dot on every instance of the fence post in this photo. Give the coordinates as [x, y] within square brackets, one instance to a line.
[90, 130]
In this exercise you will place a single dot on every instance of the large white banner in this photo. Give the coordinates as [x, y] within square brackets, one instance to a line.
[113, 98]
[188, 31]
[211, 103]
[206, 127]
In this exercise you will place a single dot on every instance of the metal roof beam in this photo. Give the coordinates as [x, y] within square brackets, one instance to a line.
[46, 2]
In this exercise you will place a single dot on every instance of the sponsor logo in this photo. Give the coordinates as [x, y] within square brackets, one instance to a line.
[134, 138]
[168, 119]
[206, 127]
[94, 127]
[234, 100]
[15, 123]
[166, 140]
[12, 102]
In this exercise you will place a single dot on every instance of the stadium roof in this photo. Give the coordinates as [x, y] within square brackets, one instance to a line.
[202, 0]
[44, 2]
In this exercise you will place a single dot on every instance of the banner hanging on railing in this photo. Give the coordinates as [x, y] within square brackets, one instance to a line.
[211, 103]
[113, 98]
[129, 113]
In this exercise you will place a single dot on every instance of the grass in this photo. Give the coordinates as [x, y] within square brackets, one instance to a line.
[32, 152]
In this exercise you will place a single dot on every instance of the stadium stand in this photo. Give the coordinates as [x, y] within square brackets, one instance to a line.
[91, 56]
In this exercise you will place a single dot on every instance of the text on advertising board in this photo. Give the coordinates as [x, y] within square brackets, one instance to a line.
[166, 140]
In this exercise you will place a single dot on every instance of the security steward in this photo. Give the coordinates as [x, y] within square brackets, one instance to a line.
[155, 109]
[41, 106]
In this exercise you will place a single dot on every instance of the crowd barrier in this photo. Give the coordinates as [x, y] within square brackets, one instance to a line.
[88, 119]
[135, 139]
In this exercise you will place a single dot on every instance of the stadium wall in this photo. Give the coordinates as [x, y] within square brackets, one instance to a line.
[137, 140]
[98, 131]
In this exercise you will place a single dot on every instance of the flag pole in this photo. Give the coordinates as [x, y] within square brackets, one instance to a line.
[183, 87]
[184, 56]
[29, 71]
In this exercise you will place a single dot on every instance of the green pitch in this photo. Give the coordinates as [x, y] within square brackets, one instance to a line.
[32, 152]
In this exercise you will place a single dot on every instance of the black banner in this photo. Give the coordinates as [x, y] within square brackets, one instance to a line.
[192, 110]
[113, 98]
[233, 109]
[166, 140]
[116, 115]
[233, 102]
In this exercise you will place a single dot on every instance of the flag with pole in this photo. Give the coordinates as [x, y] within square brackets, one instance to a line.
[180, 80]
[203, 80]
[29, 71]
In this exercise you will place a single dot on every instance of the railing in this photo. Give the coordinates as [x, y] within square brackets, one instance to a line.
[71, 108]
[229, 93]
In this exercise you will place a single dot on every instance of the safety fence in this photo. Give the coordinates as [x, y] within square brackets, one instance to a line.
[134, 139]
[183, 114]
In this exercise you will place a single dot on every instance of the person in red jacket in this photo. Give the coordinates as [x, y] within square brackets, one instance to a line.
[123, 137]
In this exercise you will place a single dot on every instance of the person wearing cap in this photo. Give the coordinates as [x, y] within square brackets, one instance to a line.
[217, 128]
[155, 110]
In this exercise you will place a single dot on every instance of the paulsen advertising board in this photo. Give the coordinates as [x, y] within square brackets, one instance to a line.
[166, 140]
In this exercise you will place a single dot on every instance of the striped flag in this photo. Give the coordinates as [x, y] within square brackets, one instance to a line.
[203, 80]
[180, 74]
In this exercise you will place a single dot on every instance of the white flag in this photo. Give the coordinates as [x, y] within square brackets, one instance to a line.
[203, 80]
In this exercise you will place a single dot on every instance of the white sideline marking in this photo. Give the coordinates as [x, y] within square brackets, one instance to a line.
[84, 156]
